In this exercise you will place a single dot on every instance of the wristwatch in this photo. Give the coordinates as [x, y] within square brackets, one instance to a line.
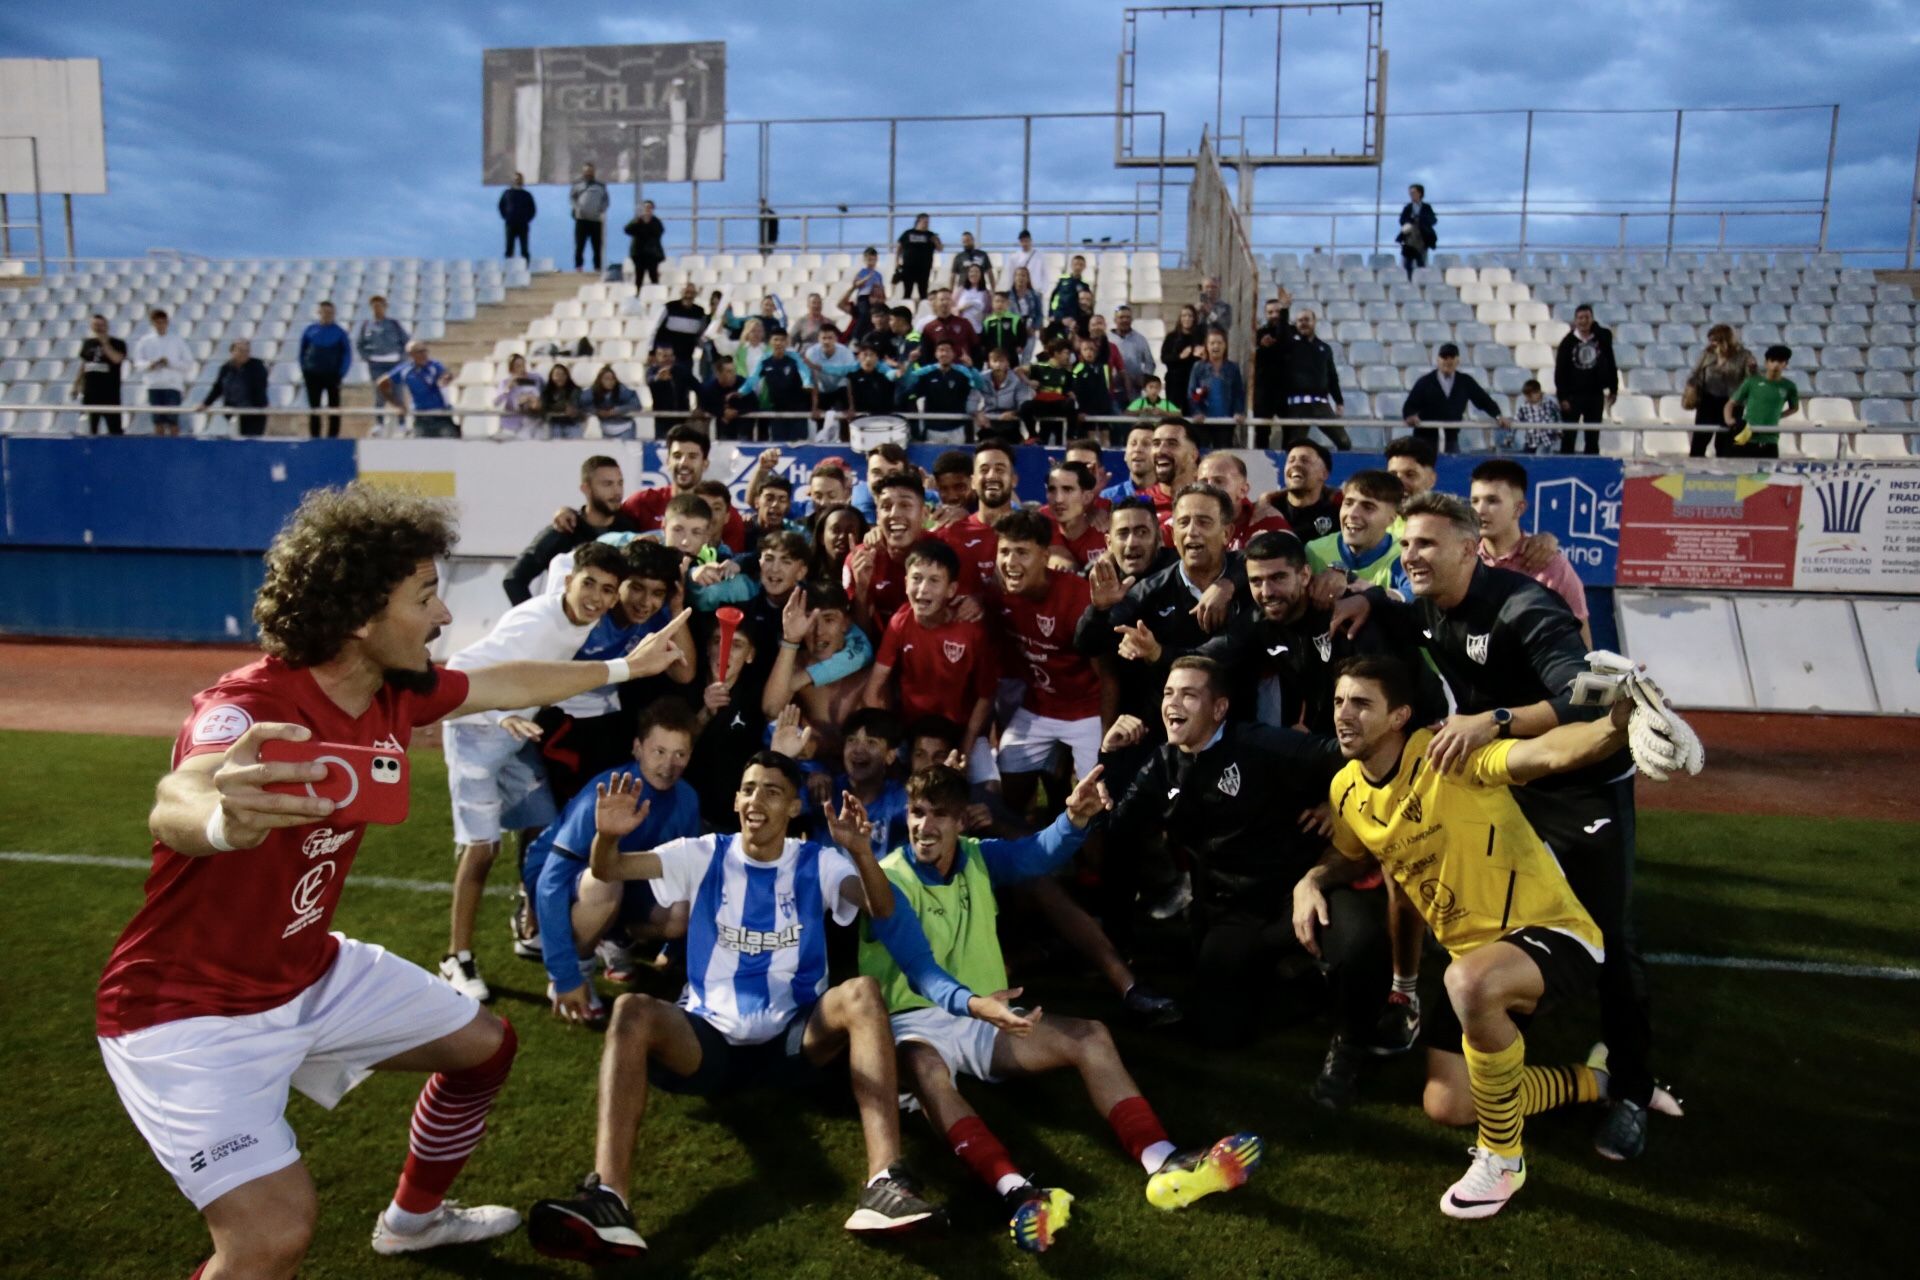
[1502, 722]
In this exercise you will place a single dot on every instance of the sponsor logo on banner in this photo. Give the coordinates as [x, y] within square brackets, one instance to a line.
[1859, 528]
[1710, 529]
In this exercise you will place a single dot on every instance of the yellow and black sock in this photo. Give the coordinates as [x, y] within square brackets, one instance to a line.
[1544, 1088]
[1496, 1081]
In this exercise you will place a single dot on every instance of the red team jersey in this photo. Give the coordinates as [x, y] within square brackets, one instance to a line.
[975, 544]
[942, 670]
[242, 932]
[1061, 683]
[887, 593]
[648, 507]
[1085, 549]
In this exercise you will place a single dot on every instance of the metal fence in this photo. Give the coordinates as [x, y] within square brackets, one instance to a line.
[1217, 246]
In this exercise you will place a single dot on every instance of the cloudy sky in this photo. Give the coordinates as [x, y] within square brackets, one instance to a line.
[353, 128]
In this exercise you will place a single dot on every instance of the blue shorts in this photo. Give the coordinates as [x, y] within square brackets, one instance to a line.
[725, 1067]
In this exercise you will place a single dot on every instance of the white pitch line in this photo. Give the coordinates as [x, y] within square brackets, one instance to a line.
[1676, 959]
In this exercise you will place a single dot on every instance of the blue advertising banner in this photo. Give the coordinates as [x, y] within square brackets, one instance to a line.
[146, 493]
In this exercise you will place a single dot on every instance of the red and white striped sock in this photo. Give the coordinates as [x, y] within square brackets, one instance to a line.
[448, 1122]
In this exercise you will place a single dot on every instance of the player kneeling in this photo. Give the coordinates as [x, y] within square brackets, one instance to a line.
[756, 1011]
[946, 882]
[1493, 895]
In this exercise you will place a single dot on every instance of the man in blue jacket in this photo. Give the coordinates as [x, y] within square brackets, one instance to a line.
[517, 210]
[326, 353]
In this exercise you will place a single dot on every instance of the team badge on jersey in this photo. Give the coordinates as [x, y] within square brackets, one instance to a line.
[1044, 622]
[1477, 647]
[223, 723]
[1323, 645]
[1230, 780]
[956, 650]
[1413, 811]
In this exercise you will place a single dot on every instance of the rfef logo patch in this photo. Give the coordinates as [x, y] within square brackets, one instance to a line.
[223, 723]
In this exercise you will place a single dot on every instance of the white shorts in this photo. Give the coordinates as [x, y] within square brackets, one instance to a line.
[1027, 743]
[964, 1044]
[210, 1094]
[496, 780]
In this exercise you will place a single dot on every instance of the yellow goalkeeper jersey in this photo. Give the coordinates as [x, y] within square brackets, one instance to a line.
[1460, 847]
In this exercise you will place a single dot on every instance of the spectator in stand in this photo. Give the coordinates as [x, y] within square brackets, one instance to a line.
[1585, 379]
[1052, 414]
[970, 299]
[829, 365]
[1310, 381]
[781, 385]
[682, 325]
[98, 382]
[326, 353]
[1531, 414]
[871, 388]
[1026, 300]
[603, 486]
[1004, 329]
[164, 364]
[1442, 395]
[382, 343]
[518, 393]
[1136, 353]
[1215, 389]
[971, 255]
[913, 256]
[1416, 236]
[644, 246]
[1025, 258]
[947, 327]
[560, 408]
[868, 277]
[1722, 367]
[1499, 490]
[1764, 399]
[721, 398]
[807, 328]
[425, 380]
[517, 211]
[589, 201]
[942, 387]
[1092, 382]
[1184, 346]
[752, 347]
[613, 403]
[999, 404]
[670, 386]
[1152, 398]
[1213, 311]
[240, 383]
[1269, 365]
[1065, 298]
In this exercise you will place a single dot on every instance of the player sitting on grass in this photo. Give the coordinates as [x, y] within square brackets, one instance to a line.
[946, 883]
[576, 908]
[1493, 895]
[757, 1011]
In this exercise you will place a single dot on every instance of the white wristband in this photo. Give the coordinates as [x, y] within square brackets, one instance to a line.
[217, 830]
[618, 672]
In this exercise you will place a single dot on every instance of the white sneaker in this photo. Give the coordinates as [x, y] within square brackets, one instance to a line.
[453, 1223]
[462, 973]
[1489, 1183]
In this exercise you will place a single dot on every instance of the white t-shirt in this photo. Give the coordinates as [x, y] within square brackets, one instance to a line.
[1028, 258]
[536, 631]
[172, 348]
[756, 933]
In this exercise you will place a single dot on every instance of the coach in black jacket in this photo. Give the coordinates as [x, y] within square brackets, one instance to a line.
[602, 485]
[1232, 795]
[1443, 395]
[1585, 378]
[1509, 650]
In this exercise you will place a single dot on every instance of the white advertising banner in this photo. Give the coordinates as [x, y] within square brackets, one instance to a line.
[1859, 528]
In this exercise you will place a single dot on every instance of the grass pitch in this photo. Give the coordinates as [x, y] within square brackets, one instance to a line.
[1797, 1155]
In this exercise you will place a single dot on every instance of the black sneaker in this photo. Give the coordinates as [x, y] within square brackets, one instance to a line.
[892, 1203]
[1149, 1008]
[1337, 1087]
[593, 1226]
[1398, 1029]
[1174, 899]
[1622, 1135]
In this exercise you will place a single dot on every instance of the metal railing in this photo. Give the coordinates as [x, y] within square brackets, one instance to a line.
[1237, 432]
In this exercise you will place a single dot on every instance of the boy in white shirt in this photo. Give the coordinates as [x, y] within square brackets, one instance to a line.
[163, 361]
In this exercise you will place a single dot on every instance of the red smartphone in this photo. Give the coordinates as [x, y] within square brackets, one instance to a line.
[366, 784]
